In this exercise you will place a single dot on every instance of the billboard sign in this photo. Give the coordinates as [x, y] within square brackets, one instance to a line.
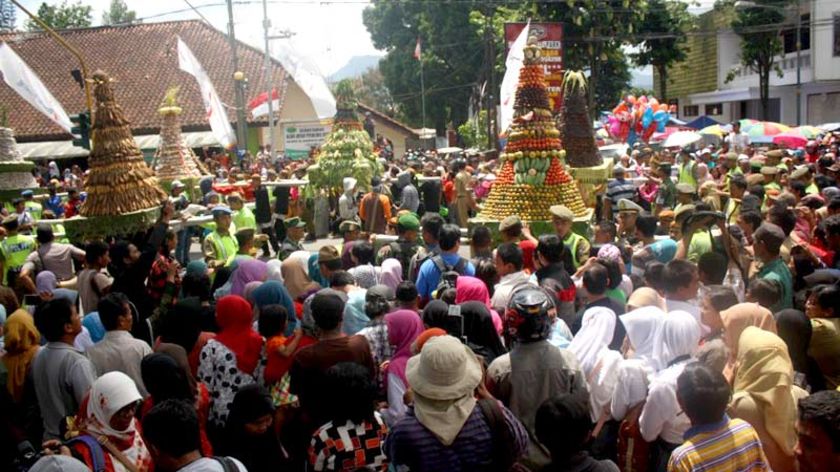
[550, 40]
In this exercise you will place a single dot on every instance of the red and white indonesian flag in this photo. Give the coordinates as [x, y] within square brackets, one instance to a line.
[216, 114]
[418, 50]
[259, 105]
[23, 80]
[513, 65]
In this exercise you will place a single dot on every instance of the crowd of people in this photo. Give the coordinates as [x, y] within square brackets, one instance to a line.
[695, 329]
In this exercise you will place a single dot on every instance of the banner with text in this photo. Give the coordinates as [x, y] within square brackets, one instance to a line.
[550, 39]
[300, 138]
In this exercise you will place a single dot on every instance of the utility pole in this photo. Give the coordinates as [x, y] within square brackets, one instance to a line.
[798, 13]
[268, 77]
[490, 44]
[238, 77]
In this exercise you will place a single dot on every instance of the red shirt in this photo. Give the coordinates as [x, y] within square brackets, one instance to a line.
[71, 208]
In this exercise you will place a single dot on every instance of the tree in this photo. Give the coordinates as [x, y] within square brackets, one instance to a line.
[371, 90]
[760, 29]
[664, 28]
[8, 15]
[64, 16]
[451, 55]
[118, 14]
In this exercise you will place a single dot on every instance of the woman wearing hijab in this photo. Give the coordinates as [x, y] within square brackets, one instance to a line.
[474, 322]
[107, 416]
[297, 280]
[248, 435]
[273, 292]
[471, 289]
[735, 320]
[391, 273]
[22, 343]
[403, 328]
[765, 396]
[662, 420]
[234, 358]
[598, 362]
[274, 270]
[166, 379]
[643, 358]
[795, 330]
[247, 271]
[824, 347]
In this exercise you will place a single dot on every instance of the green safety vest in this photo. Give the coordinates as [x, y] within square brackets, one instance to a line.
[225, 246]
[245, 219]
[35, 209]
[14, 250]
[812, 189]
[686, 175]
[572, 241]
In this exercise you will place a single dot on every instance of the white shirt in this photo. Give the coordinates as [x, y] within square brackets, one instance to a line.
[631, 387]
[501, 296]
[738, 141]
[662, 415]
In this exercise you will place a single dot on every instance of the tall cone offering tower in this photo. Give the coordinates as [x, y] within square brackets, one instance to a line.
[532, 179]
[120, 182]
[174, 160]
[576, 124]
[15, 173]
[347, 151]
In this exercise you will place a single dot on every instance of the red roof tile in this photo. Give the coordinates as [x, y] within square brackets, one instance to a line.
[143, 61]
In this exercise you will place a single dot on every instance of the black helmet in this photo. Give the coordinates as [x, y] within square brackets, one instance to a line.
[527, 314]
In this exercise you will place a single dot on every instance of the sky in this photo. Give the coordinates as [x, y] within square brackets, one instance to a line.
[329, 32]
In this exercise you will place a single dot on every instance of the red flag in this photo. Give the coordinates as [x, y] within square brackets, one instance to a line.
[417, 50]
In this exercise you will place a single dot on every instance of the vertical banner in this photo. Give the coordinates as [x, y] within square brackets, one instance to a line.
[550, 40]
[20, 78]
[216, 114]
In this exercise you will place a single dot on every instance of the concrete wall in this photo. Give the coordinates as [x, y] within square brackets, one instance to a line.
[826, 63]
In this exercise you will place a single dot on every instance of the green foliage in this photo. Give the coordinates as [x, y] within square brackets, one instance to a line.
[63, 16]
[118, 14]
[666, 24]
[474, 131]
[760, 28]
[371, 90]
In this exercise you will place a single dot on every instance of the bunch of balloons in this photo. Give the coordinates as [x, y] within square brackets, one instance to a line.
[638, 118]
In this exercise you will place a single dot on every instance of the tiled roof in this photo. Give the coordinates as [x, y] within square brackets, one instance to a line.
[143, 61]
[383, 117]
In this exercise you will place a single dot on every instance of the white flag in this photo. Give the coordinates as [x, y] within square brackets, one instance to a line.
[23, 80]
[513, 64]
[308, 77]
[216, 114]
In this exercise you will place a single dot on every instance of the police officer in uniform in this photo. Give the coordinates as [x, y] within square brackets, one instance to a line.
[295, 230]
[220, 245]
[578, 246]
[14, 251]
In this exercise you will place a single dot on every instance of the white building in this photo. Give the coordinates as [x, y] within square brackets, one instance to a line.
[739, 98]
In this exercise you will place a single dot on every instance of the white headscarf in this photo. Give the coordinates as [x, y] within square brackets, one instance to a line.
[644, 330]
[596, 332]
[681, 335]
[274, 271]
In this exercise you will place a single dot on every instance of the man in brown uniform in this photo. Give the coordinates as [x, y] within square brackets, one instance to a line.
[375, 209]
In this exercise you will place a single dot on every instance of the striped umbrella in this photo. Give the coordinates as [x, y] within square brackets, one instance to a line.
[807, 132]
[797, 137]
[763, 131]
[716, 130]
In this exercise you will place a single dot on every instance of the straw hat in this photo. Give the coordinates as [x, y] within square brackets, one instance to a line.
[444, 370]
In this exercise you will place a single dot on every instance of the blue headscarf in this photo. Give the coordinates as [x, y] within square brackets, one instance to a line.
[273, 292]
[94, 325]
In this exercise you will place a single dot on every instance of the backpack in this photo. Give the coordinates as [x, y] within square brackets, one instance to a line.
[448, 274]
[403, 252]
[97, 454]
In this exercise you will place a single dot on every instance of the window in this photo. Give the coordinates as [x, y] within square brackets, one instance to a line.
[789, 35]
[837, 34]
[714, 109]
[691, 110]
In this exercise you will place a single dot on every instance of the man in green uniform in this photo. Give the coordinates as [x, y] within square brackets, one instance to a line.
[686, 169]
[771, 178]
[686, 195]
[406, 245]
[14, 251]
[665, 198]
[295, 230]
[628, 211]
[579, 246]
[768, 239]
[34, 208]
[220, 245]
[803, 174]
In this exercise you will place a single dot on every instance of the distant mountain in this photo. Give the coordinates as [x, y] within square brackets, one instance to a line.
[355, 67]
[642, 77]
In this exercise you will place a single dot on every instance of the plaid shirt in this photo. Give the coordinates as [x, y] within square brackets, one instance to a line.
[156, 283]
[349, 447]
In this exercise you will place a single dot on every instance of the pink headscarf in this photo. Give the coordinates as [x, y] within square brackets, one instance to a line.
[471, 289]
[403, 328]
[248, 270]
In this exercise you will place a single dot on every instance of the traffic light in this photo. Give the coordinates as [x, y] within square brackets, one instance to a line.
[81, 130]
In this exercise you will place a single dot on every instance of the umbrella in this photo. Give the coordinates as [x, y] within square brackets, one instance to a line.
[763, 131]
[746, 123]
[449, 150]
[682, 139]
[669, 130]
[716, 130]
[702, 122]
[790, 140]
[829, 127]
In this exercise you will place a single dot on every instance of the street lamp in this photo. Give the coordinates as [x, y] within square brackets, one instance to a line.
[743, 4]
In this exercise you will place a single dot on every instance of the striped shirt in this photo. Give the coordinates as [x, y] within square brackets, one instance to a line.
[729, 446]
[620, 188]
